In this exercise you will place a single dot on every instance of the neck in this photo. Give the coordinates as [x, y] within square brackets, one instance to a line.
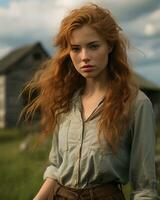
[94, 87]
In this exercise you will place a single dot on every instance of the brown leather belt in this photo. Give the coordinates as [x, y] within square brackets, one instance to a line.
[99, 192]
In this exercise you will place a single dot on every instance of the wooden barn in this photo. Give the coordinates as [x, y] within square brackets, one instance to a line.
[16, 68]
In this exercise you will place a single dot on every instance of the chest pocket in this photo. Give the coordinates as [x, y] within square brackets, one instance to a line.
[99, 145]
[63, 136]
[101, 148]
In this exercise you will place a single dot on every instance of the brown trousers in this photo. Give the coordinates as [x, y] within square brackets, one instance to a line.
[110, 191]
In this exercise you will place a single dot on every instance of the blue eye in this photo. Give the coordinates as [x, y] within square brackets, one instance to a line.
[94, 46]
[75, 49]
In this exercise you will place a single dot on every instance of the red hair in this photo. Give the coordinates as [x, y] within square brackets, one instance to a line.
[58, 80]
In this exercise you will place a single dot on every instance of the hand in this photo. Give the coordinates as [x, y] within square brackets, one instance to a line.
[45, 190]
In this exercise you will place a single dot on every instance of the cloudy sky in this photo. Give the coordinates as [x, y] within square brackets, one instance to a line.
[28, 21]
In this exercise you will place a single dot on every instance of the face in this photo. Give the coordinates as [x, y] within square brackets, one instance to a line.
[89, 52]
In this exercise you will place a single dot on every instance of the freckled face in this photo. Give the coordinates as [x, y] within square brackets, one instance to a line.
[89, 52]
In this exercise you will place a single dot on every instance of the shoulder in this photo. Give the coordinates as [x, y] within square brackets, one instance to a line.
[141, 107]
[141, 100]
[143, 118]
[141, 96]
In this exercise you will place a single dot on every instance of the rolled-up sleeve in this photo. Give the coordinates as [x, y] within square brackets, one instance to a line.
[142, 160]
[54, 158]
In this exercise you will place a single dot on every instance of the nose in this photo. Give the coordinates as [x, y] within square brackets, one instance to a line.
[85, 55]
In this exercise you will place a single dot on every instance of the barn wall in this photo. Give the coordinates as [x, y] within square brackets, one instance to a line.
[2, 101]
[16, 81]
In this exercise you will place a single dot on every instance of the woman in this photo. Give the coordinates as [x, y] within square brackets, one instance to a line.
[103, 124]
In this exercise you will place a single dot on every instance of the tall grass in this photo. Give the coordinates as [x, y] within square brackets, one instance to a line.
[20, 172]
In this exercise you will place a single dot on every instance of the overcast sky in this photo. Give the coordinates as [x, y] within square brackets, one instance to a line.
[28, 21]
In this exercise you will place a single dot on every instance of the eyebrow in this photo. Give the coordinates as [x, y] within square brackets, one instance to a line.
[90, 43]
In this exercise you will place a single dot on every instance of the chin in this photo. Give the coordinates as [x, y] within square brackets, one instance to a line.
[89, 77]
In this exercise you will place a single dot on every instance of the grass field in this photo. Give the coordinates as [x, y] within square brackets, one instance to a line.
[21, 171]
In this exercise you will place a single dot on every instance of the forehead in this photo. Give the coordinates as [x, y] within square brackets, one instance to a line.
[83, 35]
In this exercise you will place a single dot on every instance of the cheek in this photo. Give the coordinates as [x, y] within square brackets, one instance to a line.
[73, 58]
[103, 58]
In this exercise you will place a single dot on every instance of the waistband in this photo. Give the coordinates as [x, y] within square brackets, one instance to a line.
[99, 192]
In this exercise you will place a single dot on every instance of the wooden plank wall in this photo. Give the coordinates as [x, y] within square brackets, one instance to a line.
[15, 82]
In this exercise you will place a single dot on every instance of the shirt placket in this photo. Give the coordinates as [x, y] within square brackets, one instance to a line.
[81, 138]
[80, 134]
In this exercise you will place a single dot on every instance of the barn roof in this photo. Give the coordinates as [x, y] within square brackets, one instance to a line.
[16, 55]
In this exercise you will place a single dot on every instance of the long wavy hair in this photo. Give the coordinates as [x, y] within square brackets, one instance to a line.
[57, 81]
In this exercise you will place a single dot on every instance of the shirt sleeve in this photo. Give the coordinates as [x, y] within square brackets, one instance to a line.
[142, 161]
[54, 159]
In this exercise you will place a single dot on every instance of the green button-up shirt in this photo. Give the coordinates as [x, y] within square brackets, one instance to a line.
[78, 160]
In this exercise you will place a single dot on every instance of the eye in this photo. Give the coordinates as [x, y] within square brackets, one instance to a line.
[75, 49]
[94, 46]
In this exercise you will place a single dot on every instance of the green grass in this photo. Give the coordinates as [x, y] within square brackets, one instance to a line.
[21, 172]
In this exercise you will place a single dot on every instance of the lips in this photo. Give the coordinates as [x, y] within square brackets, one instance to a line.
[87, 68]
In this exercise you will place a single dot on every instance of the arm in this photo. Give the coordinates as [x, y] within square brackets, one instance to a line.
[51, 172]
[45, 190]
[142, 163]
